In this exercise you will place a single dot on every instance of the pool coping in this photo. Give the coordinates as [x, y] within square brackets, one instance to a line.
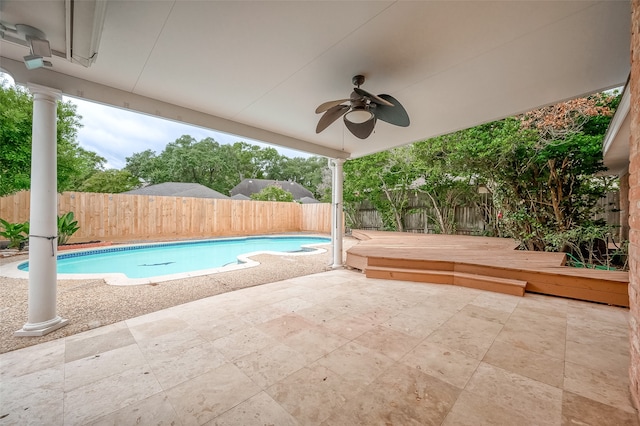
[10, 270]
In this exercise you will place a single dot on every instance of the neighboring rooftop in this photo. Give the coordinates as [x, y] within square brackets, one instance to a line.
[178, 189]
[253, 186]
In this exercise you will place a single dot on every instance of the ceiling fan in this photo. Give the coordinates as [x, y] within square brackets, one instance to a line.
[362, 112]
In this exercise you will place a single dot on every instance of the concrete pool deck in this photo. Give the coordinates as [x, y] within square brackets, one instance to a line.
[334, 348]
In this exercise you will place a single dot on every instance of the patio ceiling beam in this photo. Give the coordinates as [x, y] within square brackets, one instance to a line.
[84, 89]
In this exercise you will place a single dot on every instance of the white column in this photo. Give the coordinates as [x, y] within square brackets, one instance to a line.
[337, 232]
[42, 317]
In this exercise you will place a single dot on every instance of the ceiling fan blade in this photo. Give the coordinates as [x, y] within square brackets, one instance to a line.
[374, 98]
[327, 105]
[361, 130]
[330, 116]
[396, 114]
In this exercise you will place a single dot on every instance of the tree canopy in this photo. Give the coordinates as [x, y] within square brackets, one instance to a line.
[223, 166]
[542, 169]
[74, 164]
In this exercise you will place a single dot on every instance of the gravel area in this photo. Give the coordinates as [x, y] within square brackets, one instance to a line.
[88, 304]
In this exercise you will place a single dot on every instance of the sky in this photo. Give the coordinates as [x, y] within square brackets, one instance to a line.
[115, 133]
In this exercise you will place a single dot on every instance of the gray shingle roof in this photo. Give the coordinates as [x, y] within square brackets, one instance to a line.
[240, 197]
[178, 189]
[252, 186]
[308, 200]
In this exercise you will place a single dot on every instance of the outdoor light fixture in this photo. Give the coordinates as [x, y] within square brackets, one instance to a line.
[359, 115]
[32, 38]
[33, 61]
[362, 111]
[40, 49]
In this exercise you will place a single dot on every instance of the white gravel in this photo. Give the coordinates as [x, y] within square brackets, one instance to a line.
[89, 304]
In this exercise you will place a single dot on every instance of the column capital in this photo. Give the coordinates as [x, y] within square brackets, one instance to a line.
[338, 161]
[52, 93]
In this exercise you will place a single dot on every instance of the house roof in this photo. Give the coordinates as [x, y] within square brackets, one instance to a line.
[451, 64]
[308, 200]
[252, 186]
[178, 189]
[240, 197]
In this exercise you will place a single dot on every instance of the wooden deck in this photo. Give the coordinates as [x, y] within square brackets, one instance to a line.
[485, 263]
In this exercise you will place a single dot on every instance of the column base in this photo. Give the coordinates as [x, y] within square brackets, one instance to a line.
[337, 266]
[35, 330]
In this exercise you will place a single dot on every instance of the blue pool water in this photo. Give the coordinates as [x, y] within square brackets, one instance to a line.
[152, 260]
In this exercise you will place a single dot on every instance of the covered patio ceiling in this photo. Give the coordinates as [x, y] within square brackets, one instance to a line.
[259, 69]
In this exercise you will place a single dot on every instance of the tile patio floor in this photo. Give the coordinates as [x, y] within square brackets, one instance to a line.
[335, 349]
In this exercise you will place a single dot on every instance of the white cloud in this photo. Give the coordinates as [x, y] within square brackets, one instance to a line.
[116, 133]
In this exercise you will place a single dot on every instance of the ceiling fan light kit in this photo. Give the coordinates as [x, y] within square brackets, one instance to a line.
[363, 111]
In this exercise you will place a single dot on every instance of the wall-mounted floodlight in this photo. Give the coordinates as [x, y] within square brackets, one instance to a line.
[32, 38]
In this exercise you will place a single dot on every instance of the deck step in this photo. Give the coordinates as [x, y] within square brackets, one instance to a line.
[407, 274]
[484, 282]
[481, 282]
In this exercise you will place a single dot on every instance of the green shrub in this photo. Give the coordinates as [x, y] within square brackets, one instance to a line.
[66, 227]
[16, 233]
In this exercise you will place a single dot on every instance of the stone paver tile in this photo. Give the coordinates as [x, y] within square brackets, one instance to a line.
[536, 366]
[314, 343]
[540, 402]
[96, 399]
[207, 396]
[220, 327]
[412, 325]
[96, 341]
[598, 358]
[96, 367]
[242, 343]
[262, 314]
[320, 313]
[292, 305]
[155, 410]
[585, 326]
[357, 363]
[550, 342]
[601, 386]
[34, 398]
[257, 410]
[387, 341]
[445, 364]
[311, 394]
[496, 301]
[348, 326]
[472, 336]
[478, 410]
[156, 328]
[31, 359]
[485, 313]
[285, 326]
[400, 396]
[577, 410]
[614, 340]
[174, 367]
[271, 364]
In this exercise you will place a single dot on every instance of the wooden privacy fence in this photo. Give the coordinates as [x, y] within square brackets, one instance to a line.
[123, 217]
[468, 219]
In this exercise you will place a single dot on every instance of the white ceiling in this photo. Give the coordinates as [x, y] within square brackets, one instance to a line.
[259, 69]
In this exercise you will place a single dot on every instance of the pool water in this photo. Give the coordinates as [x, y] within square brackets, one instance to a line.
[151, 260]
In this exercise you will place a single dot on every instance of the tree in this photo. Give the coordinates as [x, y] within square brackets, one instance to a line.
[74, 164]
[541, 166]
[272, 193]
[384, 179]
[221, 166]
[110, 181]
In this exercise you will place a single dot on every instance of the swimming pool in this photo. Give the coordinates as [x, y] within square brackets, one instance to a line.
[136, 264]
